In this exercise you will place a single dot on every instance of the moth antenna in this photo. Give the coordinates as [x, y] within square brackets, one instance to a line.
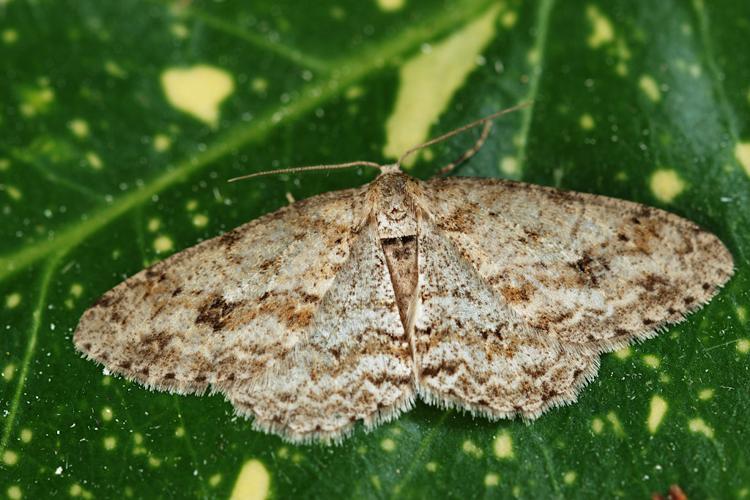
[334, 166]
[459, 130]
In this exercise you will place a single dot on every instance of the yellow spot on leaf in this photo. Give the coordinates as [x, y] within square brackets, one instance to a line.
[8, 372]
[10, 457]
[76, 289]
[503, 445]
[429, 81]
[597, 425]
[742, 153]
[570, 477]
[26, 435]
[472, 449]
[198, 91]
[651, 361]
[12, 300]
[623, 353]
[649, 87]
[180, 31]
[705, 394]
[94, 160]
[666, 185]
[153, 225]
[79, 127]
[36, 100]
[163, 244]
[698, 426]
[743, 346]
[110, 443]
[14, 493]
[162, 143]
[253, 482]
[509, 19]
[10, 36]
[75, 490]
[586, 122]
[214, 480]
[154, 462]
[114, 69]
[200, 220]
[388, 444]
[259, 85]
[601, 28]
[179, 432]
[741, 314]
[656, 413]
[491, 480]
[431, 466]
[191, 205]
[137, 437]
[615, 422]
[4, 164]
[107, 414]
[509, 165]
[12, 191]
[390, 5]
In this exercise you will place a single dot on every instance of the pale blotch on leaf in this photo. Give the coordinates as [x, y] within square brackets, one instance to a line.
[4, 164]
[13, 192]
[570, 477]
[699, 426]
[470, 448]
[110, 443]
[154, 462]
[94, 160]
[162, 143]
[586, 122]
[214, 480]
[705, 394]
[742, 153]
[431, 466]
[651, 361]
[200, 220]
[597, 425]
[649, 87]
[388, 444]
[12, 300]
[508, 20]
[107, 414]
[623, 353]
[741, 314]
[79, 127]
[491, 480]
[615, 422]
[153, 225]
[252, 483]
[601, 28]
[430, 79]
[10, 457]
[114, 69]
[163, 244]
[10, 36]
[743, 346]
[259, 85]
[8, 372]
[36, 100]
[179, 432]
[390, 5]
[503, 445]
[666, 184]
[179, 31]
[509, 166]
[14, 493]
[198, 91]
[658, 409]
[76, 289]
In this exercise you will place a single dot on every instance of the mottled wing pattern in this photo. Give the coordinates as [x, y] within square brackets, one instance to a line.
[474, 352]
[225, 310]
[354, 364]
[588, 269]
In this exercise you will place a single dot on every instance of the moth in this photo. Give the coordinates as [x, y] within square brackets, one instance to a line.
[490, 296]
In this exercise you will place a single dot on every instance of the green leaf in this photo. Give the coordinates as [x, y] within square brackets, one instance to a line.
[113, 157]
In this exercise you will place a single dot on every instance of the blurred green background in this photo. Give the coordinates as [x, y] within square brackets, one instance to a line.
[121, 120]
